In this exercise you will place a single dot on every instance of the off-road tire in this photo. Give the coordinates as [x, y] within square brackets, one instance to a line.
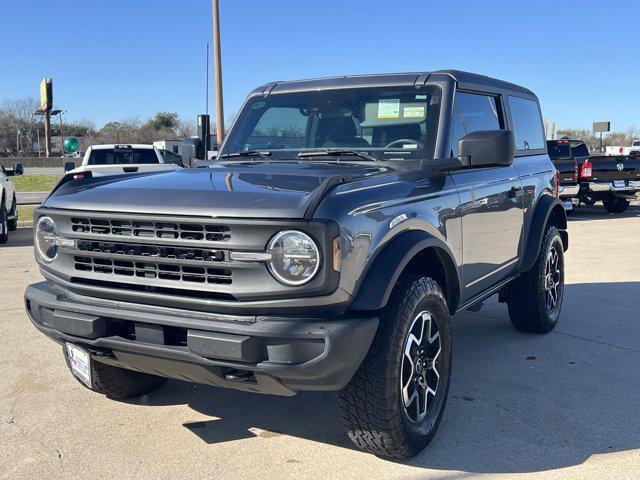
[372, 403]
[526, 296]
[4, 223]
[115, 382]
[615, 204]
[13, 223]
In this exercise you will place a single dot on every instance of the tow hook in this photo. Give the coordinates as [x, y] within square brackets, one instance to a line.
[239, 376]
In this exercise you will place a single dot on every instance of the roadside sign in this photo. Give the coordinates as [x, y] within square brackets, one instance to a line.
[46, 94]
[600, 127]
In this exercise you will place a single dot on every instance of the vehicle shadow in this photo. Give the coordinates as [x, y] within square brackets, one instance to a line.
[519, 402]
[598, 212]
[22, 237]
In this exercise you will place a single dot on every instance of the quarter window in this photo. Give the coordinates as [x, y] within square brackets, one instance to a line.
[527, 124]
[473, 113]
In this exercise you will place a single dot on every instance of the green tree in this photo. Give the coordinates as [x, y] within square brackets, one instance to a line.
[163, 121]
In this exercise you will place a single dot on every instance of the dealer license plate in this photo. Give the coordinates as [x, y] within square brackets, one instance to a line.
[80, 362]
[619, 183]
[568, 205]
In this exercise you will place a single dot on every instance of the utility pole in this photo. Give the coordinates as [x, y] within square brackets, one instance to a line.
[217, 73]
[206, 88]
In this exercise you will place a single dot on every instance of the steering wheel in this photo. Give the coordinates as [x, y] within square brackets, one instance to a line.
[403, 141]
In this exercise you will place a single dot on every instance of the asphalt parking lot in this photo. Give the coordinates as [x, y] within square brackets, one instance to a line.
[564, 405]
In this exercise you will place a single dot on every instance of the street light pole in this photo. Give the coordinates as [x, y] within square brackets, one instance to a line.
[217, 73]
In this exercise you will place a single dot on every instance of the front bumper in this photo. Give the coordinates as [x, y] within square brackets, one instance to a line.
[275, 355]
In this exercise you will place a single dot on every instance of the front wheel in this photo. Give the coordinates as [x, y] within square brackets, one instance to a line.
[615, 204]
[535, 298]
[4, 223]
[395, 401]
[13, 223]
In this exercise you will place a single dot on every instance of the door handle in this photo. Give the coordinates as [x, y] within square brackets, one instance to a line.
[130, 169]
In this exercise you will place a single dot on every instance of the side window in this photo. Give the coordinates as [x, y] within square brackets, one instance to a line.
[473, 113]
[527, 124]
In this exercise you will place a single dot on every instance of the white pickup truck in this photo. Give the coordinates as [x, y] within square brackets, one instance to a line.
[8, 204]
[103, 160]
[616, 150]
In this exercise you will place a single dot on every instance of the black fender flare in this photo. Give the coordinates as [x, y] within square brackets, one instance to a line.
[548, 207]
[384, 270]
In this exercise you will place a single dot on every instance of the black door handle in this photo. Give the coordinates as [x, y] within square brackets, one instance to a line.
[129, 169]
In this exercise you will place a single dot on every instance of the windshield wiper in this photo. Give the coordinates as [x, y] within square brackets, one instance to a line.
[248, 153]
[338, 153]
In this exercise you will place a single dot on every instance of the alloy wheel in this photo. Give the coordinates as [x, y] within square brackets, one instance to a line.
[552, 280]
[420, 375]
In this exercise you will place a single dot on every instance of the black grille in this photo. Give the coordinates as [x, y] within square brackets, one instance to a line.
[151, 229]
[154, 251]
[148, 269]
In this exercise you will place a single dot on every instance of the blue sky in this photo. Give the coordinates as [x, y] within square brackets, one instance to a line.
[112, 59]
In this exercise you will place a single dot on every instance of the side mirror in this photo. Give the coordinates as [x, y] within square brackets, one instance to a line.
[68, 166]
[18, 169]
[489, 148]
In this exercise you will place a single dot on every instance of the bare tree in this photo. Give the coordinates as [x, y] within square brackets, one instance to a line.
[21, 116]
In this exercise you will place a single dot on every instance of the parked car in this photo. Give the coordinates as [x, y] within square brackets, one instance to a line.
[343, 224]
[620, 150]
[118, 159]
[8, 202]
[567, 167]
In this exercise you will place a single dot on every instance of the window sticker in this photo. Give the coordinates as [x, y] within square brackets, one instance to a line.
[389, 108]
[410, 146]
[413, 112]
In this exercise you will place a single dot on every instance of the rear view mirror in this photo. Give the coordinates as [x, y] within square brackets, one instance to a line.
[490, 148]
[18, 169]
[68, 166]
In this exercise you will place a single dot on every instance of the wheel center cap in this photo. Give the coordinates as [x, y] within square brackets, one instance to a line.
[419, 366]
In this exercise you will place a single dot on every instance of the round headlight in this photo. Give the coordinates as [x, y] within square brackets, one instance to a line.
[295, 258]
[46, 236]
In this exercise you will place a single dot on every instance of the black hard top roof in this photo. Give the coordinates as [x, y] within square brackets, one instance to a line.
[464, 79]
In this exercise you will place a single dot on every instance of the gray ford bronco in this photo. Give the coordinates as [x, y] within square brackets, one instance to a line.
[344, 222]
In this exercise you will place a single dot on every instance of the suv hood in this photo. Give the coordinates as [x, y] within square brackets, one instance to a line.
[261, 190]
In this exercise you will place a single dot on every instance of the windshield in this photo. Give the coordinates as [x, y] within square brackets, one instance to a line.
[389, 123]
[120, 156]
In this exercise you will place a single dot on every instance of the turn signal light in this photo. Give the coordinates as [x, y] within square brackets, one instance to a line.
[587, 170]
[337, 260]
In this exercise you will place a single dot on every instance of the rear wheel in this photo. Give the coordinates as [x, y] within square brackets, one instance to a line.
[4, 223]
[13, 223]
[535, 298]
[115, 382]
[615, 204]
[395, 401]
